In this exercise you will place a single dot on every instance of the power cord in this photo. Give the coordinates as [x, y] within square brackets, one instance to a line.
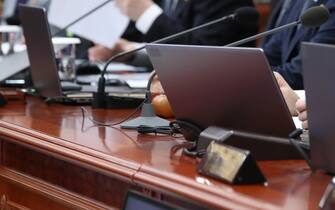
[85, 115]
[293, 140]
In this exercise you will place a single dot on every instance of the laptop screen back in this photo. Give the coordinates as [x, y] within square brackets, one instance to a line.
[228, 87]
[319, 82]
[40, 51]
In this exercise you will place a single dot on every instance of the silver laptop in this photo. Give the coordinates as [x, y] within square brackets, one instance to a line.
[319, 82]
[41, 54]
[45, 73]
[233, 88]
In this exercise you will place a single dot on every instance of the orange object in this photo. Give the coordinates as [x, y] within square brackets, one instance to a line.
[159, 100]
[162, 106]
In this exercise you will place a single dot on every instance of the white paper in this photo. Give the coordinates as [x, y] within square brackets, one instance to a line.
[105, 26]
[297, 122]
[65, 41]
[9, 29]
[117, 67]
[301, 94]
[139, 80]
[137, 84]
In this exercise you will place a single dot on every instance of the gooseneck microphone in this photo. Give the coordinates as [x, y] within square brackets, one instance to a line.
[313, 17]
[60, 31]
[244, 15]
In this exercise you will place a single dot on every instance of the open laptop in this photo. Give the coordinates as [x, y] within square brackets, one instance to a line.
[44, 69]
[42, 55]
[319, 82]
[233, 88]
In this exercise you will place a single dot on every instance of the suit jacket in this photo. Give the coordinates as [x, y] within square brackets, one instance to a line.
[283, 49]
[190, 13]
[276, 8]
[15, 19]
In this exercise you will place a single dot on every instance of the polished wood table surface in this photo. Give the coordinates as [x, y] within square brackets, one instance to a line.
[50, 157]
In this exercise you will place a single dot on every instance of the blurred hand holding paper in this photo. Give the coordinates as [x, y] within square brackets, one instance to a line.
[105, 26]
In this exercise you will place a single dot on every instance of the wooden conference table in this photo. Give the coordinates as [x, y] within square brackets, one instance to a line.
[49, 162]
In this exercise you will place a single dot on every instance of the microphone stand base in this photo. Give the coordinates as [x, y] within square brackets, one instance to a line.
[147, 118]
[145, 121]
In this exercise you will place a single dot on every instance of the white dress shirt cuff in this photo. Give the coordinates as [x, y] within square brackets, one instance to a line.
[145, 21]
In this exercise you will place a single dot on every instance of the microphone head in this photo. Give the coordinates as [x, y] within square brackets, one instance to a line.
[315, 16]
[246, 15]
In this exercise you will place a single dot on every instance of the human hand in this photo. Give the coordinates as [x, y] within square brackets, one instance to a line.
[101, 53]
[133, 8]
[290, 96]
[302, 110]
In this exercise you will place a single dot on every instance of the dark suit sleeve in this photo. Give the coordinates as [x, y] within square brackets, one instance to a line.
[197, 12]
[276, 8]
[292, 71]
[132, 34]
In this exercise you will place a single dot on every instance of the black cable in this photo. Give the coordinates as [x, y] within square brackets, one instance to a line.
[292, 138]
[166, 130]
[98, 123]
[147, 99]
[84, 130]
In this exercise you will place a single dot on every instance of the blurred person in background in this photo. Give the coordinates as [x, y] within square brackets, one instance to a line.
[152, 20]
[11, 9]
[283, 49]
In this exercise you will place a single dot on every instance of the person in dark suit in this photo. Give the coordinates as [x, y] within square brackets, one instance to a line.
[274, 19]
[283, 49]
[153, 20]
[11, 9]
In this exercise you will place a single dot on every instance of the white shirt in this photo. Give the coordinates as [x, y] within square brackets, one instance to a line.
[145, 21]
